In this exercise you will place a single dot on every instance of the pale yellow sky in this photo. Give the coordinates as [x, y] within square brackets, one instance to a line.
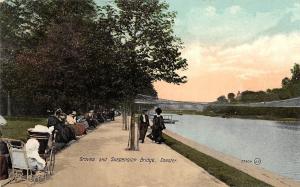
[215, 71]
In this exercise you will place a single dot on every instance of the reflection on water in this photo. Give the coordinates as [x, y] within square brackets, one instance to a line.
[277, 144]
[289, 125]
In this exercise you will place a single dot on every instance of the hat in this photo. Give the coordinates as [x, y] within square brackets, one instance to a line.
[158, 111]
[58, 111]
[42, 128]
[73, 113]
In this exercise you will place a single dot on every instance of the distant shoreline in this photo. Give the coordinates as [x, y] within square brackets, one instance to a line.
[213, 114]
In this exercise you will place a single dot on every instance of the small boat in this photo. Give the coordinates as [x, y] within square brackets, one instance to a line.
[169, 119]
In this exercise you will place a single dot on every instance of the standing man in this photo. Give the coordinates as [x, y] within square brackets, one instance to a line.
[112, 114]
[144, 124]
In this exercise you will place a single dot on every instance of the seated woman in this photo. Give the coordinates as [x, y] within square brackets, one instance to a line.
[82, 120]
[71, 118]
[32, 150]
[79, 128]
[90, 118]
[65, 133]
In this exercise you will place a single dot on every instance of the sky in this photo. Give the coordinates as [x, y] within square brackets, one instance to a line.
[234, 45]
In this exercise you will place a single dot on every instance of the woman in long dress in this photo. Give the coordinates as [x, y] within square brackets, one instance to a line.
[158, 127]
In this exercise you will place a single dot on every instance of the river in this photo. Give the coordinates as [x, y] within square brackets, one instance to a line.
[275, 144]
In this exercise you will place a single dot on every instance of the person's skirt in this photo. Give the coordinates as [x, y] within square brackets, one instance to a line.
[79, 129]
[3, 168]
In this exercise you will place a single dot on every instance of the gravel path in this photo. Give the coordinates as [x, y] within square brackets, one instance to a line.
[100, 159]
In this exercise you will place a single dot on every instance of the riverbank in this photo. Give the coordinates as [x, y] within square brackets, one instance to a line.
[226, 168]
[100, 159]
[222, 171]
[226, 115]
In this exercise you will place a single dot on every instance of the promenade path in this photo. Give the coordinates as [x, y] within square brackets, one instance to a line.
[109, 140]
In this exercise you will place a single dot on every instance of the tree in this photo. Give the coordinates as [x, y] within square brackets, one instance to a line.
[231, 97]
[32, 48]
[222, 99]
[73, 53]
[144, 31]
[295, 73]
[285, 82]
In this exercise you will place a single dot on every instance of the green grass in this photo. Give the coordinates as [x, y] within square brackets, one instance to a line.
[16, 127]
[222, 171]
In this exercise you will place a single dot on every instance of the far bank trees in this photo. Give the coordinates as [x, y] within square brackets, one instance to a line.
[290, 88]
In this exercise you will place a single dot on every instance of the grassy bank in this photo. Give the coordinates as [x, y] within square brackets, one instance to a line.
[282, 114]
[16, 127]
[269, 113]
[222, 171]
[191, 112]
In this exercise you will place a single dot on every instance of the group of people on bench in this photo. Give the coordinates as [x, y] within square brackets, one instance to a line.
[68, 127]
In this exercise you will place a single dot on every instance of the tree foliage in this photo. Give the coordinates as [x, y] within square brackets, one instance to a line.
[290, 87]
[222, 99]
[231, 97]
[75, 54]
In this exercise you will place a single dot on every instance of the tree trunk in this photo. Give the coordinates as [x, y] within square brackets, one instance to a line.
[124, 117]
[133, 142]
[8, 104]
[0, 96]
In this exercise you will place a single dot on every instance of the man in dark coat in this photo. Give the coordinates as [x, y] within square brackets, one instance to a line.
[144, 124]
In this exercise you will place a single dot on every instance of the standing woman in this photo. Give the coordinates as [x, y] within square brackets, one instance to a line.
[158, 126]
[144, 124]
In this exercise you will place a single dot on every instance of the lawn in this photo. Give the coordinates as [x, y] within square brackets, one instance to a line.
[16, 127]
[222, 171]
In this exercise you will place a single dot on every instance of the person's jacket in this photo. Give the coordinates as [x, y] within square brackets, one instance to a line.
[158, 123]
[144, 120]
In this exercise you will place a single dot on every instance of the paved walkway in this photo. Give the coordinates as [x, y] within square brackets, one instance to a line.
[73, 169]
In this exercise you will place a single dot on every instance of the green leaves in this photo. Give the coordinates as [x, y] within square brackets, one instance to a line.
[73, 54]
[145, 33]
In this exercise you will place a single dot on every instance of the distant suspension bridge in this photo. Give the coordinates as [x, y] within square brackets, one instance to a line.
[184, 105]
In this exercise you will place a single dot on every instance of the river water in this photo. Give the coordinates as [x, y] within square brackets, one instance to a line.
[275, 144]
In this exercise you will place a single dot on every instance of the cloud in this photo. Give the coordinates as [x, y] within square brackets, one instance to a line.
[210, 11]
[263, 55]
[234, 9]
[215, 70]
[214, 27]
[295, 12]
[236, 24]
[232, 48]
